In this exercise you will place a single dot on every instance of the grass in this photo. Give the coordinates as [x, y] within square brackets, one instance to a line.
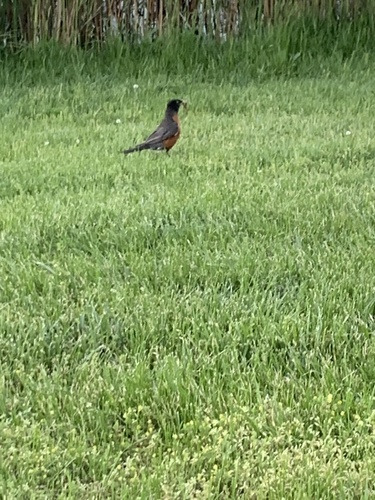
[200, 326]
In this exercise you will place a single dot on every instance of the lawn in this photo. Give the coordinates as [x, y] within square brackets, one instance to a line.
[193, 326]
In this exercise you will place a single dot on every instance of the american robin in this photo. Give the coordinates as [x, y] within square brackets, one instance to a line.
[167, 133]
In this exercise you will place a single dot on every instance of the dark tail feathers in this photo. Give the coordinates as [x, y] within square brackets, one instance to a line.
[139, 147]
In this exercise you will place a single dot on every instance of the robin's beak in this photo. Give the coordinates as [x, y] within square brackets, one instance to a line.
[185, 105]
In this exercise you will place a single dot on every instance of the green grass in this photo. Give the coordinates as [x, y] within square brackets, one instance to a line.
[199, 326]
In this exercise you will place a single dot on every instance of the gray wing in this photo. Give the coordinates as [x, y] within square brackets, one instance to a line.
[167, 129]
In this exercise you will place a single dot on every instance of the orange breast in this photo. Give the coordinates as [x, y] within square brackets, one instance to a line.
[171, 141]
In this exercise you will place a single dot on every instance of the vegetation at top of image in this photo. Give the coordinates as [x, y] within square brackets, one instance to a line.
[214, 40]
[96, 21]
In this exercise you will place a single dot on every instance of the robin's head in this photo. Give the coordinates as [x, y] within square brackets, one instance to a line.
[174, 105]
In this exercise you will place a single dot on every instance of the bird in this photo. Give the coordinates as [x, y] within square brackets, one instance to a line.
[167, 133]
